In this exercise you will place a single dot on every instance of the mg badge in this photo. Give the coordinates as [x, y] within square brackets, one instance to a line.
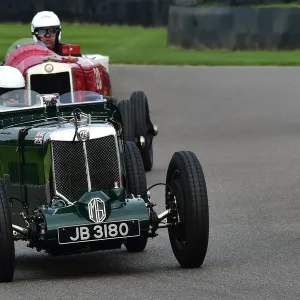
[97, 210]
[83, 135]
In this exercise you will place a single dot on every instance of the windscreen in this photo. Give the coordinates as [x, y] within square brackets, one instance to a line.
[80, 96]
[20, 99]
[23, 42]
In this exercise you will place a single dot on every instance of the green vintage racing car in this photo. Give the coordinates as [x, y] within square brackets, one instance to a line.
[71, 183]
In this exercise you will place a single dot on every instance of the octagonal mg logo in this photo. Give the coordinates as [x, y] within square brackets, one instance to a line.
[96, 209]
[83, 135]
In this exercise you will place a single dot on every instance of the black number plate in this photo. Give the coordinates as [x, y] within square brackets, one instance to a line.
[100, 231]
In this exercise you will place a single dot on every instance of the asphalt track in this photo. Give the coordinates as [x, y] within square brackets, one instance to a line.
[244, 126]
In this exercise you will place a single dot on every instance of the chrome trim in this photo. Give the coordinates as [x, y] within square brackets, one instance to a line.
[66, 133]
[63, 197]
[87, 168]
[19, 229]
[104, 101]
[163, 215]
[119, 159]
[95, 131]
[72, 86]
[21, 109]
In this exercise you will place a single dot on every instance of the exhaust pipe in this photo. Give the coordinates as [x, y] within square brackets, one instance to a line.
[20, 229]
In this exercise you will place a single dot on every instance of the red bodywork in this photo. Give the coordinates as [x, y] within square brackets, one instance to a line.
[87, 76]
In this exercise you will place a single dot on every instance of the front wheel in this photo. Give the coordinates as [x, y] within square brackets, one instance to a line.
[190, 230]
[7, 246]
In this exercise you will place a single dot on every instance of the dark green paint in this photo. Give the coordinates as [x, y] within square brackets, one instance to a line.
[39, 116]
[37, 158]
[78, 214]
[33, 162]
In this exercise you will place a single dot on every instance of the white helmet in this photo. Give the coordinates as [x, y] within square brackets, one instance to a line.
[45, 19]
[11, 78]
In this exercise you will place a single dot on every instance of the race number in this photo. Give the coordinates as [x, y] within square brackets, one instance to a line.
[98, 78]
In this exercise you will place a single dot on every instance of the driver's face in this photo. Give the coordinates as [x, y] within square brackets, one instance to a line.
[49, 41]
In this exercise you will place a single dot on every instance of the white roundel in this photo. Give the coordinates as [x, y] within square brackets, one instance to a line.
[49, 68]
[11, 77]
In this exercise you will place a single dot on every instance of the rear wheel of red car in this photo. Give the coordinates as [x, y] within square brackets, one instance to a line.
[136, 184]
[190, 230]
[144, 127]
[128, 120]
[113, 100]
[7, 246]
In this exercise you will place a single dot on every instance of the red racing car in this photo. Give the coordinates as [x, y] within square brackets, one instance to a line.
[45, 72]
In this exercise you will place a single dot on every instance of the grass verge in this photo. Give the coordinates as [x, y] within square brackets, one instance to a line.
[136, 45]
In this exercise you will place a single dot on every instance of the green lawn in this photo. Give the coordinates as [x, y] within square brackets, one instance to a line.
[135, 45]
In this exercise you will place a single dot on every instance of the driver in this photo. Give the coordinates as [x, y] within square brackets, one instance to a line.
[10, 79]
[46, 27]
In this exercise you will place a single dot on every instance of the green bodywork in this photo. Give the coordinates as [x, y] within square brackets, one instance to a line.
[117, 210]
[26, 167]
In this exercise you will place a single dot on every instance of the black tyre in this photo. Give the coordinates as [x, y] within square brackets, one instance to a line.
[7, 246]
[136, 184]
[144, 127]
[189, 237]
[128, 119]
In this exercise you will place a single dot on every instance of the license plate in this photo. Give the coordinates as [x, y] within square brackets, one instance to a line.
[99, 231]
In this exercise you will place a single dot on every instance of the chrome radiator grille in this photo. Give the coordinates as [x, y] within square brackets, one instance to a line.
[70, 170]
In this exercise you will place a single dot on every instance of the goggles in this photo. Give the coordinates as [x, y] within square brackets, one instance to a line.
[41, 32]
